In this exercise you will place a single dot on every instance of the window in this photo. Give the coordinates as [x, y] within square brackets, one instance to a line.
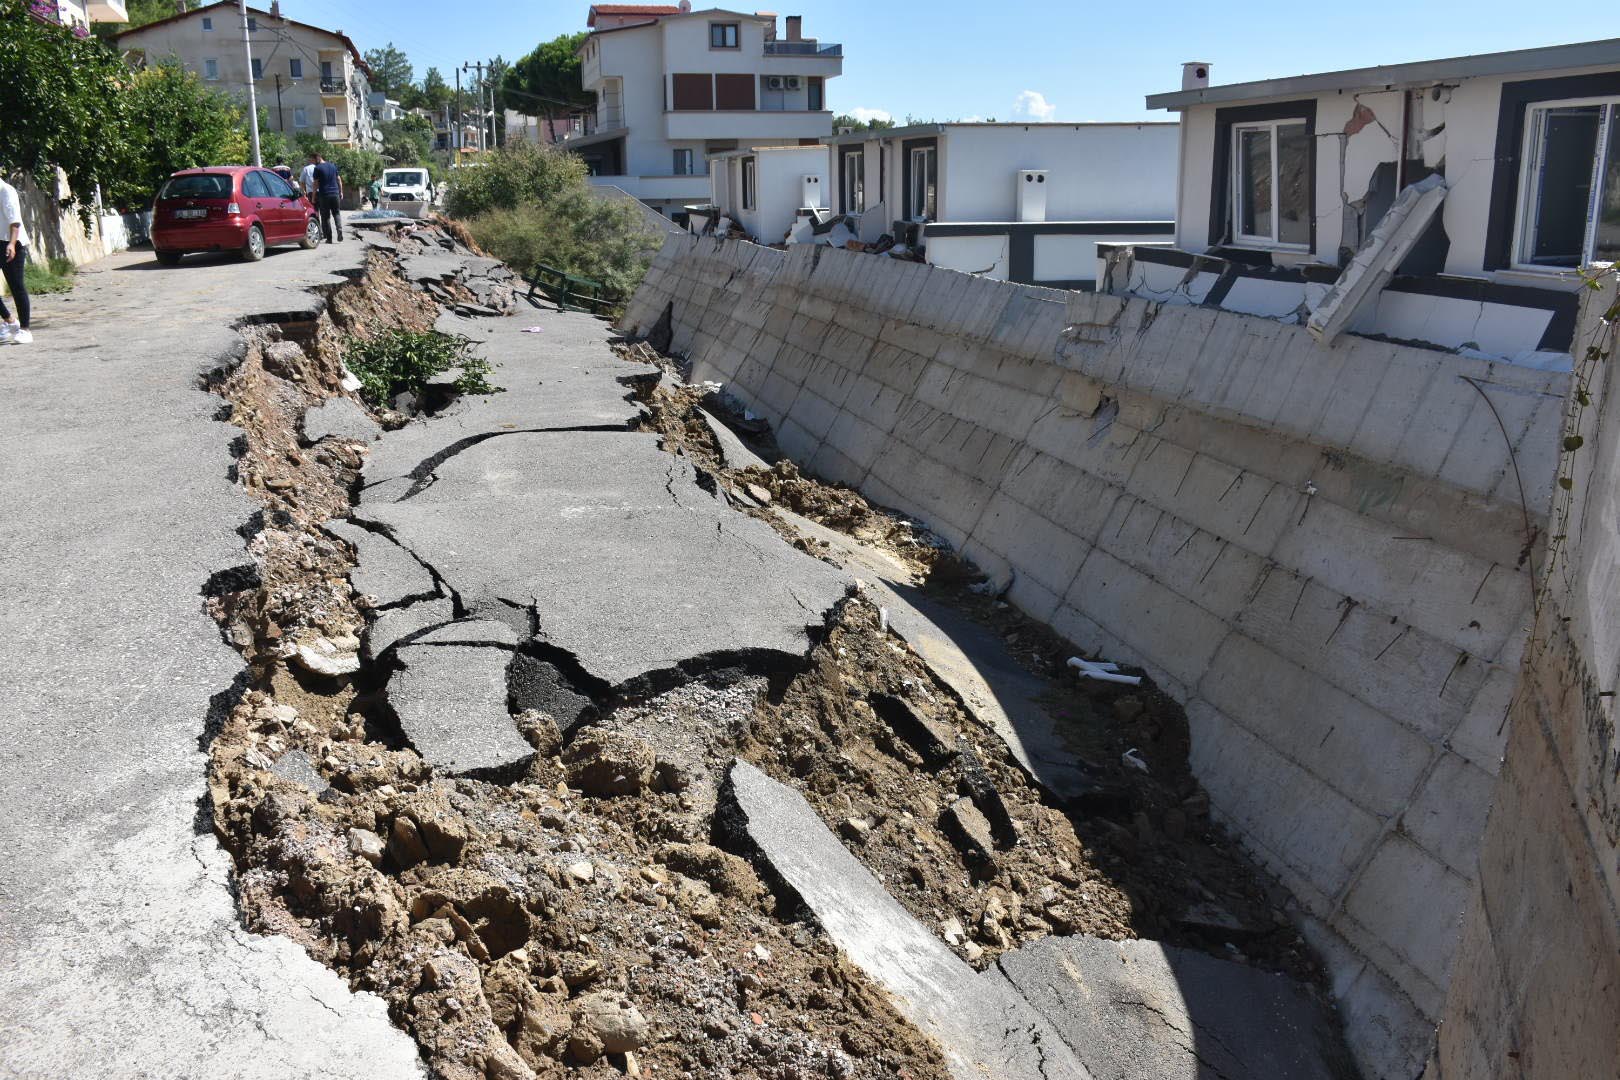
[300, 118]
[734, 91]
[694, 92]
[253, 25]
[922, 184]
[1271, 183]
[683, 163]
[816, 94]
[258, 68]
[211, 69]
[326, 70]
[253, 186]
[723, 35]
[208, 22]
[331, 117]
[295, 68]
[854, 182]
[279, 188]
[1569, 213]
[748, 183]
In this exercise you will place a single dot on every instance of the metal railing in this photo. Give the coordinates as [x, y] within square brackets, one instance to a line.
[802, 48]
[332, 85]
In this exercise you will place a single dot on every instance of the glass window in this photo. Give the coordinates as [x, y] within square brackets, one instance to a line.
[1271, 183]
[253, 186]
[253, 25]
[854, 183]
[300, 117]
[208, 22]
[197, 186]
[1569, 211]
[331, 117]
[211, 69]
[683, 162]
[723, 35]
[748, 183]
[924, 184]
[279, 188]
[295, 68]
[258, 68]
[816, 94]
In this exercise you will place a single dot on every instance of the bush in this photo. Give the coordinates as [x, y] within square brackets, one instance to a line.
[404, 360]
[577, 232]
[516, 175]
[56, 276]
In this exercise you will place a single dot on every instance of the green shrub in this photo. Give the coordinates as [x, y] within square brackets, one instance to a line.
[576, 232]
[400, 360]
[56, 276]
[520, 174]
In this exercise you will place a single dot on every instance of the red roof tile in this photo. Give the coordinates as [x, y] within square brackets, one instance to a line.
[649, 10]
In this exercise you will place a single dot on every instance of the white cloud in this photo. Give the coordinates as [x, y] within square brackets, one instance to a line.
[1033, 104]
[866, 116]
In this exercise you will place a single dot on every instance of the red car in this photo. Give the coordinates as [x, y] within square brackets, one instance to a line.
[239, 208]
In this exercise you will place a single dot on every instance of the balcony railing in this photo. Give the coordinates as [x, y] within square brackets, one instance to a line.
[802, 48]
[332, 85]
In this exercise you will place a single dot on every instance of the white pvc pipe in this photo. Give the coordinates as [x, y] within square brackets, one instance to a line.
[1103, 672]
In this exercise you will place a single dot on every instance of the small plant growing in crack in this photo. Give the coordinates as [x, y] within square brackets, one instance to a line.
[400, 361]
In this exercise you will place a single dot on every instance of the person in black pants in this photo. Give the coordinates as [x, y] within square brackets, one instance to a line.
[328, 196]
[13, 261]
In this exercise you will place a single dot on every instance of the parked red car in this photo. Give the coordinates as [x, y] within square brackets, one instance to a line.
[239, 208]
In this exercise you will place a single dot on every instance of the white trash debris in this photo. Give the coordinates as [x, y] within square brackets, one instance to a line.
[1133, 758]
[1102, 671]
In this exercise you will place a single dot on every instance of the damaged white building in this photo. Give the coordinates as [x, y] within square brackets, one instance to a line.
[1511, 167]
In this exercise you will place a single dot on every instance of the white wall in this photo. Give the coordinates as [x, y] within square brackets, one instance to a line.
[636, 57]
[1097, 172]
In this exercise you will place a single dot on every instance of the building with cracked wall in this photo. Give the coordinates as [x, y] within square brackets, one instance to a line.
[1283, 181]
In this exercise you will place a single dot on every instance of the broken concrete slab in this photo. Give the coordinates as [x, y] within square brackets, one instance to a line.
[397, 624]
[383, 571]
[1135, 1009]
[983, 1026]
[340, 418]
[539, 684]
[471, 632]
[451, 704]
[734, 453]
[630, 566]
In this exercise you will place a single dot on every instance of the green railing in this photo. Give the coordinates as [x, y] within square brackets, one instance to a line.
[570, 293]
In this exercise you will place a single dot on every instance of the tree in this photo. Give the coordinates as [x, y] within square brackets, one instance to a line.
[140, 12]
[546, 82]
[408, 140]
[175, 122]
[391, 70]
[846, 121]
[436, 93]
[64, 105]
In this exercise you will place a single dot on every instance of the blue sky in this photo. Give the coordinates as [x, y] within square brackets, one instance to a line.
[1015, 59]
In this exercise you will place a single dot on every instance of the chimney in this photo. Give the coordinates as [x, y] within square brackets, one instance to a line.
[795, 27]
[1194, 75]
[275, 9]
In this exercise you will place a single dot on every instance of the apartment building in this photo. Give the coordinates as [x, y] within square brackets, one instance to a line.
[79, 14]
[674, 85]
[310, 80]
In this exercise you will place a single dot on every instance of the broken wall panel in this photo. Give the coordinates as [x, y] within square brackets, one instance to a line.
[1217, 499]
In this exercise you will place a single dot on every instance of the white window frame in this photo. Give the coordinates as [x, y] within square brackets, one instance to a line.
[919, 183]
[300, 117]
[331, 117]
[750, 183]
[854, 182]
[1235, 203]
[684, 154]
[295, 67]
[211, 69]
[1528, 167]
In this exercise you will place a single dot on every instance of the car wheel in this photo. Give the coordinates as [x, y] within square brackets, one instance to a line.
[253, 250]
[312, 235]
[167, 258]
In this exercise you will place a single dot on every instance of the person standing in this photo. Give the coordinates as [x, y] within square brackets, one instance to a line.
[13, 262]
[306, 180]
[328, 196]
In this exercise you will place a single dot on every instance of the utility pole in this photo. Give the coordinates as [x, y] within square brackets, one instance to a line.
[281, 119]
[455, 130]
[479, 67]
[253, 98]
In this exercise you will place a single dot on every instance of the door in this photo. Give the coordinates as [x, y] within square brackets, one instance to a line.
[288, 204]
[264, 206]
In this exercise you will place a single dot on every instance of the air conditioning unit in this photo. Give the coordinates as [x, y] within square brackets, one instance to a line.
[1031, 194]
[812, 192]
[792, 82]
[783, 82]
[774, 82]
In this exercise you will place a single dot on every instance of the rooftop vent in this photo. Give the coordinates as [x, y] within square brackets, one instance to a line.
[1194, 75]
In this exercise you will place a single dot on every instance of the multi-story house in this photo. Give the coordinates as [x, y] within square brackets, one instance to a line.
[675, 85]
[79, 14]
[310, 80]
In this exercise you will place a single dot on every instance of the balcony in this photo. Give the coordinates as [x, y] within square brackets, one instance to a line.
[693, 188]
[743, 124]
[333, 86]
[803, 48]
[111, 11]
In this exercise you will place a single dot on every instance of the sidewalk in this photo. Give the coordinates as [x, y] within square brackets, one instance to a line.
[124, 954]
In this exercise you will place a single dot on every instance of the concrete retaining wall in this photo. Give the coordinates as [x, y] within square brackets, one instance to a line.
[1319, 551]
[1536, 991]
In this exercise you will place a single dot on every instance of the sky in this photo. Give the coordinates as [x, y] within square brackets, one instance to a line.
[1017, 59]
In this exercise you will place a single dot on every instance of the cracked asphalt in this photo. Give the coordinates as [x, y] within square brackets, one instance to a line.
[124, 956]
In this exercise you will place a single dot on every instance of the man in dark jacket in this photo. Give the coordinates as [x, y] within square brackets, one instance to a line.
[328, 196]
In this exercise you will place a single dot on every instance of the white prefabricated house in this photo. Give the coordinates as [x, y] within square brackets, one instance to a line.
[674, 86]
[1446, 203]
[1018, 202]
[765, 189]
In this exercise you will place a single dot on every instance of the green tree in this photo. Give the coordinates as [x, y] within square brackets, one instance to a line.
[436, 93]
[845, 121]
[518, 175]
[64, 105]
[408, 140]
[140, 12]
[546, 82]
[176, 122]
[391, 70]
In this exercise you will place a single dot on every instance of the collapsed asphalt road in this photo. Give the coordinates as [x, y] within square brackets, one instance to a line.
[586, 771]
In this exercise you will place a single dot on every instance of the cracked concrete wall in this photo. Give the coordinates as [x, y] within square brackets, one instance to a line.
[1317, 551]
[1537, 984]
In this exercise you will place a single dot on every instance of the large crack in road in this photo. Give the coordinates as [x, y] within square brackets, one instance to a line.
[486, 763]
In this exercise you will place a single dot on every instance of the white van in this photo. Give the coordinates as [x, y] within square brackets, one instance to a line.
[408, 190]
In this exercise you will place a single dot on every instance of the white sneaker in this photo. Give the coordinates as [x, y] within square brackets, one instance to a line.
[22, 337]
[6, 335]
